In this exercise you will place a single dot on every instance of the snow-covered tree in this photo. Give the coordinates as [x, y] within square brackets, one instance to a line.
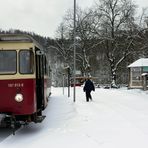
[114, 25]
[84, 37]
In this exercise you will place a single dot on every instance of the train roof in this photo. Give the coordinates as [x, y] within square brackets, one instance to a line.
[19, 38]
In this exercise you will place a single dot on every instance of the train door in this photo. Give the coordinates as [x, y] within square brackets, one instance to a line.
[40, 79]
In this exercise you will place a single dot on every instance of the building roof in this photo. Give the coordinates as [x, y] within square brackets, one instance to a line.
[140, 63]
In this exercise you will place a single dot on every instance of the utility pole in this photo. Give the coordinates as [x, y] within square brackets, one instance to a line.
[74, 46]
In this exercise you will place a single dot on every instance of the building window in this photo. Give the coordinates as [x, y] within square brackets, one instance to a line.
[145, 69]
[136, 73]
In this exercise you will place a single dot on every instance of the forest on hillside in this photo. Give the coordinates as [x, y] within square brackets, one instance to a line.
[109, 37]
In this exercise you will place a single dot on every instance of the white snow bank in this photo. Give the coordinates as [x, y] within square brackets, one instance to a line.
[116, 118]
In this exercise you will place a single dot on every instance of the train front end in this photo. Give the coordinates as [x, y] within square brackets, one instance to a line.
[17, 81]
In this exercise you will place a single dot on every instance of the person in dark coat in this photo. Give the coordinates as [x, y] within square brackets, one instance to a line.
[88, 87]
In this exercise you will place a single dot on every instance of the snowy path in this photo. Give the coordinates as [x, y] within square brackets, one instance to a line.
[116, 118]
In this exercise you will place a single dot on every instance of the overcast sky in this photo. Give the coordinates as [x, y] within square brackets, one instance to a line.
[40, 16]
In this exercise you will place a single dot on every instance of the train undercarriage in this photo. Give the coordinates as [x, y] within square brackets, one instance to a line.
[16, 121]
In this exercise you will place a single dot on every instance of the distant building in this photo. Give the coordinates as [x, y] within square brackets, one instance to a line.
[138, 72]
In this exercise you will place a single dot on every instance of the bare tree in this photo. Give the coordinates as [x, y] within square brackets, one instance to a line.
[116, 28]
[143, 29]
[84, 37]
[85, 40]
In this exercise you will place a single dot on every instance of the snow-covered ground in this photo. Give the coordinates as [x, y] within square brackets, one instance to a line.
[116, 118]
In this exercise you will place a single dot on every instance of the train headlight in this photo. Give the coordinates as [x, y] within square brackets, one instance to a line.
[19, 98]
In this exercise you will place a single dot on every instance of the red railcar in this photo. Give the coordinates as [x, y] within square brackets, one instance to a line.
[24, 79]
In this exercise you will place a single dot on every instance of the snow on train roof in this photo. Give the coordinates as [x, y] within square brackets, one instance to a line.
[140, 63]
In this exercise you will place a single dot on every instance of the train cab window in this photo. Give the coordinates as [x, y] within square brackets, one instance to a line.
[8, 61]
[26, 62]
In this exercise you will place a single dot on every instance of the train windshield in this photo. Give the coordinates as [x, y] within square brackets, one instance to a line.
[8, 62]
[26, 62]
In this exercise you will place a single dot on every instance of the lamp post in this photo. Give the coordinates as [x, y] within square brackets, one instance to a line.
[74, 44]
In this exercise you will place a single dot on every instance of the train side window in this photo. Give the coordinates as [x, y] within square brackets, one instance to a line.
[26, 62]
[8, 61]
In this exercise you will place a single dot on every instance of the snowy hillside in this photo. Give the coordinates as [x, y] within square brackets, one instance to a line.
[116, 118]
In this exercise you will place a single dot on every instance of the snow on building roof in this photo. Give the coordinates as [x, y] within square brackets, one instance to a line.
[144, 74]
[140, 63]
